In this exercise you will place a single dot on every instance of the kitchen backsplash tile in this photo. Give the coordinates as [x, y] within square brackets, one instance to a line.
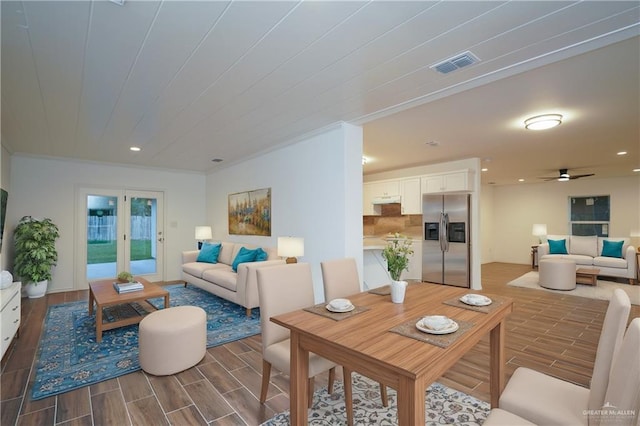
[409, 225]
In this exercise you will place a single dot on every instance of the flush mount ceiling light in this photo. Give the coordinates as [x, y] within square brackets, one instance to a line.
[135, 149]
[543, 122]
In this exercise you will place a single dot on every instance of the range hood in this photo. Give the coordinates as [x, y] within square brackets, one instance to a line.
[386, 199]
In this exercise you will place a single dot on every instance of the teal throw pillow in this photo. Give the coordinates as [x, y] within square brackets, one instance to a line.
[261, 255]
[209, 253]
[612, 248]
[557, 247]
[243, 256]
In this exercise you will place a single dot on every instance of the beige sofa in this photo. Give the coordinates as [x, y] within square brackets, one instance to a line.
[239, 287]
[586, 252]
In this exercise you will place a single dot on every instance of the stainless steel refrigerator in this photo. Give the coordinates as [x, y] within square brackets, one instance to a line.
[446, 254]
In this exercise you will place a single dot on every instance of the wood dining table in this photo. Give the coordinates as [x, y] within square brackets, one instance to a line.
[370, 341]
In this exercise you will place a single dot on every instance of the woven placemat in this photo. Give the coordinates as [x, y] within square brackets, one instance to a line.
[408, 329]
[496, 302]
[321, 309]
[385, 290]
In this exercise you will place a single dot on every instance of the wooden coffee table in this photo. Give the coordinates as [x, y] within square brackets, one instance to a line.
[103, 294]
[588, 276]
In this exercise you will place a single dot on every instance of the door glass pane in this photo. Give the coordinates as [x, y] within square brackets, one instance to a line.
[102, 219]
[142, 241]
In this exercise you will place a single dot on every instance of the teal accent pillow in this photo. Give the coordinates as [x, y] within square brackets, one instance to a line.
[612, 248]
[209, 253]
[243, 256]
[557, 247]
[261, 255]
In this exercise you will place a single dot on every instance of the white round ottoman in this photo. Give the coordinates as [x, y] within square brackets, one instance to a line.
[557, 274]
[172, 340]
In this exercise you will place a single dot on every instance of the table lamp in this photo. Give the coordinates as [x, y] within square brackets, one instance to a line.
[539, 230]
[290, 247]
[203, 233]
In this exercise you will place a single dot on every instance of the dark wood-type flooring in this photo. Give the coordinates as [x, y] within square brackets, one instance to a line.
[555, 334]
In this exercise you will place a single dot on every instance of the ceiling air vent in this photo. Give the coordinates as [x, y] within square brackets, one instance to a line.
[457, 62]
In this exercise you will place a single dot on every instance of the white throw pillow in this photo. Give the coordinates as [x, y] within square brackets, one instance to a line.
[587, 246]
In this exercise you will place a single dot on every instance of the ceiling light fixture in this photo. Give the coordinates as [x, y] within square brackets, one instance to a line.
[542, 122]
[135, 149]
[622, 153]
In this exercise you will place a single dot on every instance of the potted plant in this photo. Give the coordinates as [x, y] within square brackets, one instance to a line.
[36, 253]
[125, 277]
[397, 253]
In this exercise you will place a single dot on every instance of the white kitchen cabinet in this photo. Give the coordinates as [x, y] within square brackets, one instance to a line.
[415, 262]
[411, 196]
[10, 314]
[368, 209]
[372, 190]
[446, 182]
[385, 188]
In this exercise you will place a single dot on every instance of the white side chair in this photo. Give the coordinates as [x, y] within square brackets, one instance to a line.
[282, 289]
[340, 279]
[623, 391]
[546, 400]
[500, 417]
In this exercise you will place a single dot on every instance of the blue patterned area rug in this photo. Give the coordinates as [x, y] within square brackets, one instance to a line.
[68, 356]
[443, 406]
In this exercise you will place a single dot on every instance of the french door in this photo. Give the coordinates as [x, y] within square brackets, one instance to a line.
[119, 230]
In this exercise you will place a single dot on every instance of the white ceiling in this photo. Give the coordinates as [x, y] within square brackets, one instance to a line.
[192, 81]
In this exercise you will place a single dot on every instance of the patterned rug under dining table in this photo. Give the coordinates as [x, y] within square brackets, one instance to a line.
[378, 343]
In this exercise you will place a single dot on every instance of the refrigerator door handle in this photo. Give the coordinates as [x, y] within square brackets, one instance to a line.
[443, 235]
[445, 231]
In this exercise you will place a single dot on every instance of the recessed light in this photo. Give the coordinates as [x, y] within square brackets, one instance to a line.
[520, 180]
[217, 160]
[543, 122]
[364, 160]
[484, 169]
[135, 148]
[622, 153]
[432, 143]
[636, 170]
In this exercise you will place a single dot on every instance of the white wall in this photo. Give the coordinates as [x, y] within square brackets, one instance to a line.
[316, 193]
[47, 188]
[515, 208]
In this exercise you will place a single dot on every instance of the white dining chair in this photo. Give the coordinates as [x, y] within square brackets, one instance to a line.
[622, 399]
[340, 279]
[282, 289]
[546, 400]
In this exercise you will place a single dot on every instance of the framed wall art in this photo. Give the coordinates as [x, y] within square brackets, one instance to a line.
[250, 212]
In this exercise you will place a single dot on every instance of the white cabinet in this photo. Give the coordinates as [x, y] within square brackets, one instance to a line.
[446, 182]
[411, 196]
[372, 190]
[415, 263]
[10, 314]
[367, 200]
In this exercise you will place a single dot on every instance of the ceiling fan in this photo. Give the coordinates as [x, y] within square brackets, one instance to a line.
[565, 176]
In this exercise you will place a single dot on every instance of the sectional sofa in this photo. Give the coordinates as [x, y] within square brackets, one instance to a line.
[615, 257]
[238, 286]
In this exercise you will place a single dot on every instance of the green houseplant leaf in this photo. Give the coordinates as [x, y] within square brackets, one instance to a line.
[35, 249]
[397, 253]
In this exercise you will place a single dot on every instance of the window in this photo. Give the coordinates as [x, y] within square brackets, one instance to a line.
[589, 215]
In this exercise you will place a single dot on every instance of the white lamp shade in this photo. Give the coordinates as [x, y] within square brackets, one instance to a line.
[290, 246]
[203, 233]
[539, 229]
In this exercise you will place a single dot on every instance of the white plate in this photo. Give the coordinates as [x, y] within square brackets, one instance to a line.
[332, 309]
[454, 326]
[480, 300]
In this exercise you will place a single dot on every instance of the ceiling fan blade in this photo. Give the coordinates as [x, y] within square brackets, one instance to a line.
[581, 176]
